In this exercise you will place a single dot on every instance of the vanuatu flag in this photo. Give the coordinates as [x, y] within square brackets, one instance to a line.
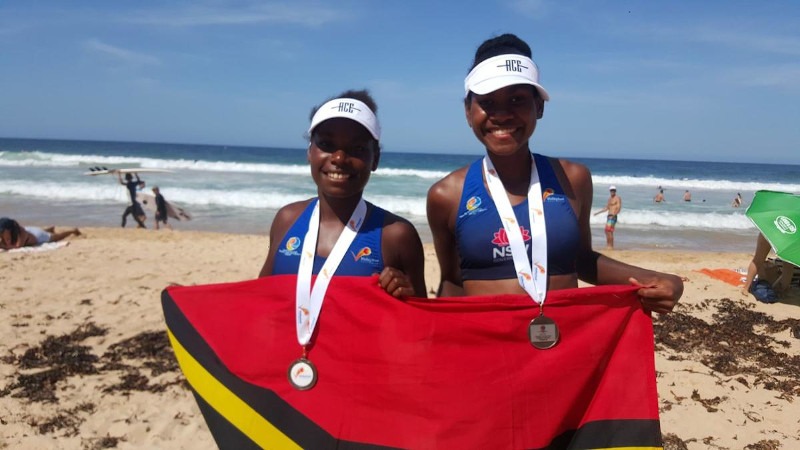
[452, 373]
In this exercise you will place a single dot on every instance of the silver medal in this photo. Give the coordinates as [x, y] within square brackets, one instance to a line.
[543, 332]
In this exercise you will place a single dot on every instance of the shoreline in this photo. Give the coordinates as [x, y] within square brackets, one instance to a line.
[257, 222]
[728, 367]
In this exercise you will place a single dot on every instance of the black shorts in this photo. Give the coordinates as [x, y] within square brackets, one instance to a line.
[161, 217]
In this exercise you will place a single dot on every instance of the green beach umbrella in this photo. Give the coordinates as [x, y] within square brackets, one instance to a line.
[777, 216]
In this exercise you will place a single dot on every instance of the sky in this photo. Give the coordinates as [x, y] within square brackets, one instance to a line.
[678, 80]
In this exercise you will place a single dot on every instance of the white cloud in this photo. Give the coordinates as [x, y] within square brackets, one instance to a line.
[308, 15]
[739, 40]
[743, 40]
[536, 9]
[121, 54]
[775, 76]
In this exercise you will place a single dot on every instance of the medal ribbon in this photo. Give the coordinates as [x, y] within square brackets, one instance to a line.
[532, 275]
[309, 300]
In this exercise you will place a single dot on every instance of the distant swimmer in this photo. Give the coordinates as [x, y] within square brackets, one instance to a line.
[659, 197]
[687, 196]
[737, 201]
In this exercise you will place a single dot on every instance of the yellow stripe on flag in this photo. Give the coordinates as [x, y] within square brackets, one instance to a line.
[227, 404]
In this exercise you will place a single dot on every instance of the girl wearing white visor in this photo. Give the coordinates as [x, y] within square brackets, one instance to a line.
[338, 232]
[514, 221]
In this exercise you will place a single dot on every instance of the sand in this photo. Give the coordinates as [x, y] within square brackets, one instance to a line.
[84, 361]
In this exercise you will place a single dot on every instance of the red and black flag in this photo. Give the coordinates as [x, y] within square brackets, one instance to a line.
[439, 373]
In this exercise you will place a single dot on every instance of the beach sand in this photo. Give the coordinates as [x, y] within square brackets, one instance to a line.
[84, 361]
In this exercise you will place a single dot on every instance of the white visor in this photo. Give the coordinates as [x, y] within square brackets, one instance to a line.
[501, 71]
[348, 108]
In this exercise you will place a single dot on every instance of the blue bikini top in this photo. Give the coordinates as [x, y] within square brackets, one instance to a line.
[481, 239]
[363, 258]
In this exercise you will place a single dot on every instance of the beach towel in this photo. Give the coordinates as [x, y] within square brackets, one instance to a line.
[732, 277]
[38, 248]
[440, 373]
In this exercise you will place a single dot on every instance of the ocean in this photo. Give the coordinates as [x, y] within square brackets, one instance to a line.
[238, 189]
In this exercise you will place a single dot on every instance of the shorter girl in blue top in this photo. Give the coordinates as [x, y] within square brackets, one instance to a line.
[343, 151]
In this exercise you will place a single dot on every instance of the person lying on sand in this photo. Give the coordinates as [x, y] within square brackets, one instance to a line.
[13, 235]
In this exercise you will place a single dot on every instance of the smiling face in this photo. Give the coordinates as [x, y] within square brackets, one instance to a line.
[342, 155]
[505, 119]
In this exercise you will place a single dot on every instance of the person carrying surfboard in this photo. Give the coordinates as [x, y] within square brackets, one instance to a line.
[161, 208]
[135, 209]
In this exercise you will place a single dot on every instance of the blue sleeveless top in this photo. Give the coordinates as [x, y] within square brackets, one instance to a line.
[363, 258]
[481, 239]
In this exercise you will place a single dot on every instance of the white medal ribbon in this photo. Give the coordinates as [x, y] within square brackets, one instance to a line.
[532, 275]
[309, 300]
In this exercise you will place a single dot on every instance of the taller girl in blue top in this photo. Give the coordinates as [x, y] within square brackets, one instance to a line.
[343, 151]
[515, 221]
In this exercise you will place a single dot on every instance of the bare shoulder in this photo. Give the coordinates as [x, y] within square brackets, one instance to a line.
[575, 178]
[294, 209]
[398, 229]
[287, 215]
[402, 246]
[576, 172]
[448, 186]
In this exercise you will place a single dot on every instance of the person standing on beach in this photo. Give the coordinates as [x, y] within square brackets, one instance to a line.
[161, 208]
[469, 208]
[135, 209]
[344, 150]
[613, 206]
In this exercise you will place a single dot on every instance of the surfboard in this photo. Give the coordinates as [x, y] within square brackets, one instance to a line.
[173, 211]
[106, 171]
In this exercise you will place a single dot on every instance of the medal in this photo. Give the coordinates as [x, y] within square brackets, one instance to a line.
[308, 300]
[531, 274]
[543, 332]
[302, 374]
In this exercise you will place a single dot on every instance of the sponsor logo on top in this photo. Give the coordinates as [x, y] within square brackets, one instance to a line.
[502, 251]
[364, 256]
[550, 196]
[472, 206]
[292, 247]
